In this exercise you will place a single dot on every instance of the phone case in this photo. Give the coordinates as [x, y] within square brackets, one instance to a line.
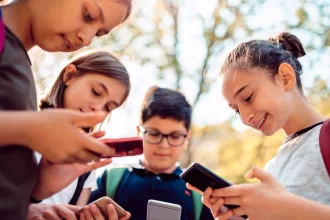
[101, 203]
[202, 178]
[159, 210]
[125, 146]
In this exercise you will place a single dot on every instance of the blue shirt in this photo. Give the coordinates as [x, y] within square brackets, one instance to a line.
[139, 185]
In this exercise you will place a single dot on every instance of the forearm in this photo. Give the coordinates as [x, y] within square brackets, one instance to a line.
[14, 126]
[299, 208]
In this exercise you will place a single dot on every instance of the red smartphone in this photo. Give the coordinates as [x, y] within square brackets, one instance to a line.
[131, 146]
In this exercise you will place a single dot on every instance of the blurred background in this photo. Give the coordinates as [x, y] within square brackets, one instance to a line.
[181, 44]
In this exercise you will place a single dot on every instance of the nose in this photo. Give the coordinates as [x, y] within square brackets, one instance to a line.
[86, 36]
[246, 116]
[164, 143]
[96, 107]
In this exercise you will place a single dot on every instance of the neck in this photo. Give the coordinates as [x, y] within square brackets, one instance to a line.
[158, 171]
[302, 116]
[16, 17]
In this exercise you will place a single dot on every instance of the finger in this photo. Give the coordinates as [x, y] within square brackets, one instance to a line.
[225, 216]
[89, 119]
[73, 208]
[65, 213]
[95, 165]
[112, 215]
[191, 187]
[127, 216]
[213, 199]
[96, 213]
[95, 145]
[232, 201]
[231, 191]
[259, 174]
[216, 207]
[85, 156]
[51, 215]
[238, 211]
[82, 216]
[206, 197]
[87, 213]
[97, 134]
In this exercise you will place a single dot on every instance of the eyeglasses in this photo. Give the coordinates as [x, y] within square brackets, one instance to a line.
[155, 137]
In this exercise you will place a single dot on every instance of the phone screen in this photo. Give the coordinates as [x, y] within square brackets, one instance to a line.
[125, 146]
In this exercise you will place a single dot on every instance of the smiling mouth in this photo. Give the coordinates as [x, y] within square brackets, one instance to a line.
[261, 121]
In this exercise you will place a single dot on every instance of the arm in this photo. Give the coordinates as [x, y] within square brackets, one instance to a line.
[41, 131]
[264, 200]
[84, 196]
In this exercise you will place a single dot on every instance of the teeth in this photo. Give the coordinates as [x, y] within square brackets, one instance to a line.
[261, 121]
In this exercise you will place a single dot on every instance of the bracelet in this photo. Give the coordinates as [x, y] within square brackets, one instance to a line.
[34, 200]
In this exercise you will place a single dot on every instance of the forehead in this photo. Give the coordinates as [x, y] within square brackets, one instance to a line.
[237, 78]
[165, 125]
[114, 12]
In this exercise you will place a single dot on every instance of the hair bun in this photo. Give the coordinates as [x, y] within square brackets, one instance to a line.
[291, 43]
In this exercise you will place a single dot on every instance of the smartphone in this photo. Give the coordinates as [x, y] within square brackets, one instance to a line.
[101, 203]
[201, 178]
[158, 210]
[131, 146]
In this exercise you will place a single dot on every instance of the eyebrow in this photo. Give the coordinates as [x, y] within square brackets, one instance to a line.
[172, 132]
[102, 18]
[240, 90]
[107, 92]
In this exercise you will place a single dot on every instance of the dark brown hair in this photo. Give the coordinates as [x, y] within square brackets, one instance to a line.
[166, 103]
[267, 55]
[92, 62]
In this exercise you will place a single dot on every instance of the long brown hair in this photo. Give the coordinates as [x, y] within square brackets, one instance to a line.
[92, 62]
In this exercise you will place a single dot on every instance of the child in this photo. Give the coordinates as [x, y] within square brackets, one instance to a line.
[54, 26]
[165, 126]
[93, 81]
[261, 82]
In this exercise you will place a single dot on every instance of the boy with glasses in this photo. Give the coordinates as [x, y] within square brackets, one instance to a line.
[165, 127]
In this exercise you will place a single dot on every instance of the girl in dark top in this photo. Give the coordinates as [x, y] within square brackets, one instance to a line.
[62, 25]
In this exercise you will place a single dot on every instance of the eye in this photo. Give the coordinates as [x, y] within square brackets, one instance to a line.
[96, 93]
[87, 17]
[248, 99]
[154, 134]
[176, 136]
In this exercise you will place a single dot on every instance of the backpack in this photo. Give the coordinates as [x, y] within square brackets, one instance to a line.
[325, 143]
[115, 175]
[80, 185]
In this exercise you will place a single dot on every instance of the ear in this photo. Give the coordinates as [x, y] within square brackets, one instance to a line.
[138, 132]
[69, 74]
[187, 139]
[286, 76]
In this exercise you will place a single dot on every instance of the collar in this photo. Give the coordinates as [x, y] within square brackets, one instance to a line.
[142, 171]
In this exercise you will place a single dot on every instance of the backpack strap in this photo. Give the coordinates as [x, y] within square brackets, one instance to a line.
[114, 177]
[198, 206]
[325, 144]
[80, 185]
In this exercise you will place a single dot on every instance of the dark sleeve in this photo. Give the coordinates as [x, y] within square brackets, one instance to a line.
[101, 188]
[206, 214]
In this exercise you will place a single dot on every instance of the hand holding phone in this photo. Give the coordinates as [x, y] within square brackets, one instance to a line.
[158, 210]
[102, 204]
[124, 146]
[202, 178]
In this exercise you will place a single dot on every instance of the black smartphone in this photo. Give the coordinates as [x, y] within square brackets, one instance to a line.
[201, 178]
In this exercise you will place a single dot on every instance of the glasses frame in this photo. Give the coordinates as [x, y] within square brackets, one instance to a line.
[144, 131]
